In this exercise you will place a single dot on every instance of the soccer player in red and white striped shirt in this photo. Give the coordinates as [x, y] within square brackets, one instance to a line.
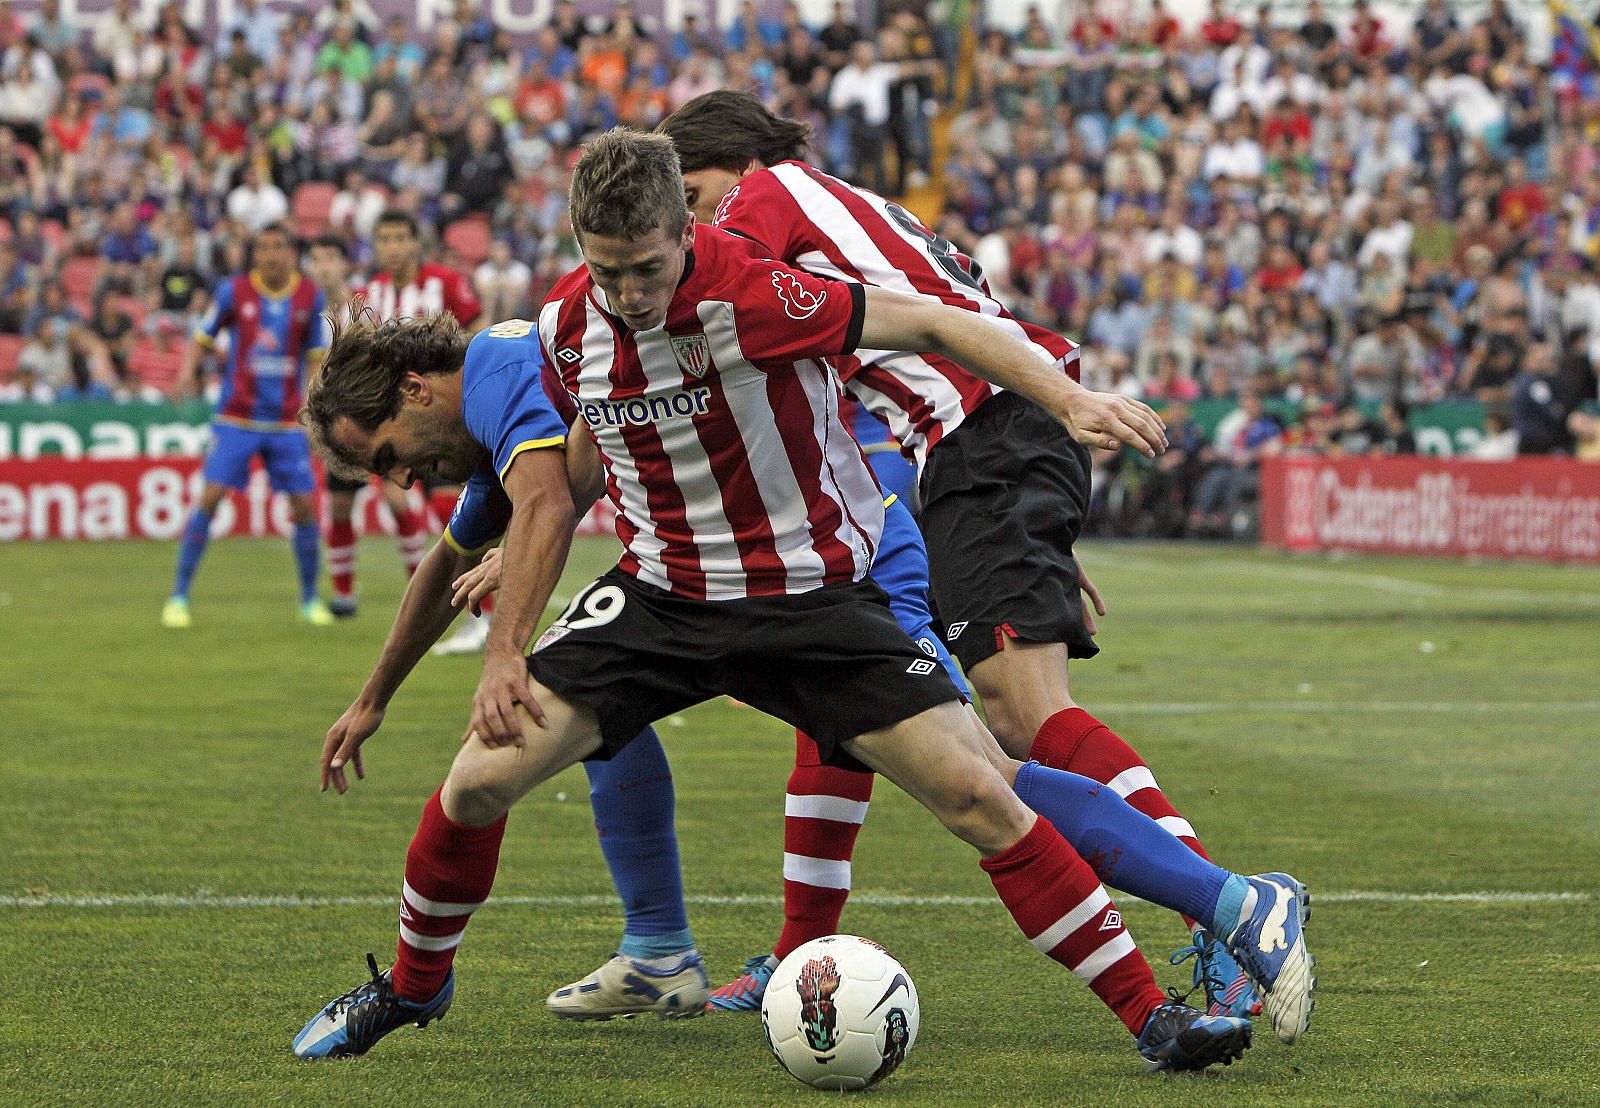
[749, 519]
[1013, 619]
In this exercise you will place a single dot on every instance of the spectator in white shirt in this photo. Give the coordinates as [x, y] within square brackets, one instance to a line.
[860, 95]
[256, 203]
[356, 207]
[502, 283]
[1391, 235]
[1174, 237]
[1233, 154]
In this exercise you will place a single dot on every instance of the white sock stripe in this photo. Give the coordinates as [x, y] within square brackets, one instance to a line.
[837, 808]
[1130, 781]
[425, 907]
[824, 873]
[1091, 906]
[1103, 959]
[1178, 826]
[430, 942]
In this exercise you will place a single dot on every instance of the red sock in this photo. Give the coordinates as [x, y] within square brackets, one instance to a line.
[449, 871]
[822, 815]
[411, 534]
[443, 506]
[342, 558]
[1060, 905]
[1075, 741]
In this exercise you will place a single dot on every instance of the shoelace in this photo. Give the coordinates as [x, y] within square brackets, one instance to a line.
[361, 991]
[1209, 976]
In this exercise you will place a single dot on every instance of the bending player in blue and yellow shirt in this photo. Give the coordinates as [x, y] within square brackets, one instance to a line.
[510, 448]
[277, 333]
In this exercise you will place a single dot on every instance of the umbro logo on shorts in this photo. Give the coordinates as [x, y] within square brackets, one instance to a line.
[955, 630]
[1112, 921]
[922, 667]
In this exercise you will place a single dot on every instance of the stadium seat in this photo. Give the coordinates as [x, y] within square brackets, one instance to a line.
[10, 350]
[79, 278]
[134, 309]
[313, 200]
[154, 366]
[469, 238]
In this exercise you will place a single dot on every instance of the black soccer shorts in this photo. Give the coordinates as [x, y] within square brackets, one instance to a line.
[832, 662]
[1003, 500]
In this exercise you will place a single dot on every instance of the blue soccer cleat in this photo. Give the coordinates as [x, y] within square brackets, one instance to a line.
[1178, 1037]
[1227, 988]
[1270, 947]
[353, 1023]
[744, 993]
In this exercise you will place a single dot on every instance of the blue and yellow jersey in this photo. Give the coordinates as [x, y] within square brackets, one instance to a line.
[505, 408]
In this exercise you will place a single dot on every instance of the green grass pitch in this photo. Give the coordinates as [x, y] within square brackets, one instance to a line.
[176, 898]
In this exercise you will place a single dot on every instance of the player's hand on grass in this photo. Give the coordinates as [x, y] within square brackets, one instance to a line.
[478, 582]
[342, 748]
[1093, 595]
[1107, 420]
[504, 685]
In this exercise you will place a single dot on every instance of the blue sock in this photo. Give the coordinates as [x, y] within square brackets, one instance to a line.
[307, 542]
[1128, 850]
[632, 800]
[1230, 904]
[191, 548]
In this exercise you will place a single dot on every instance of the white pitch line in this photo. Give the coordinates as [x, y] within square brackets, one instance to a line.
[188, 902]
[1446, 707]
[1402, 586]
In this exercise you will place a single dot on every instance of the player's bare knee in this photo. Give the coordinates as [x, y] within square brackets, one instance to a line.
[479, 789]
[984, 812]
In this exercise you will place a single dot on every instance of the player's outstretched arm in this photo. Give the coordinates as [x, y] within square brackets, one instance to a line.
[896, 321]
[426, 611]
[532, 558]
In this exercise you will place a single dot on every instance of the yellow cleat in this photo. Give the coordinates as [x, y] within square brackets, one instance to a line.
[316, 613]
[175, 613]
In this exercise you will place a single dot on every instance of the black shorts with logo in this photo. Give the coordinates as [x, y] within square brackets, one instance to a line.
[1003, 500]
[832, 662]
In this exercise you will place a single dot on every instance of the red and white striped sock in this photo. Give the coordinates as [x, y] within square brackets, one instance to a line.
[449, 872]
[441, 505]
[411, 535]
[822, 814]
[342, 558]
[1075, 741]
[1065, 912]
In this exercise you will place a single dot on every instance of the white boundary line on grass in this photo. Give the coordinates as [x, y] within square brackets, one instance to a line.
[181, 901]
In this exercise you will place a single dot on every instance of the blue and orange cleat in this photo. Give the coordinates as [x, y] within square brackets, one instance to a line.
[744, 993]
[1227, 988]
[1270, 947]
[353, 1023]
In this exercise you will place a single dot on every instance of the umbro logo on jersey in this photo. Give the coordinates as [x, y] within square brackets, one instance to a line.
[799, 302]
[1112, 921]
[953, 632]
[922, 667]
[693, 354]
[567, 354]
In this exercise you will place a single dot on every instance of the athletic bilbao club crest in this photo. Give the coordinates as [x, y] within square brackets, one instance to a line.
[817, 983]
[799, 302]
[693, 354]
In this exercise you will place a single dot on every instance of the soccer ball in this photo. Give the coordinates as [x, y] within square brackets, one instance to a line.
[840, 1013]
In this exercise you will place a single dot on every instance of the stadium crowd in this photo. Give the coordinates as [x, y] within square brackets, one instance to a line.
[1319, 226]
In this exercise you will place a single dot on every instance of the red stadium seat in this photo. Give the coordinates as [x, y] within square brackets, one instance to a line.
[469, 238]
[154, 366]
[309, 210]
[79, 277]
[10, 349]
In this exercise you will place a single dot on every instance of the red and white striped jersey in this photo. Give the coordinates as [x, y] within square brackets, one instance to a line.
[731, 470]
[803, 217]
[435, 289]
